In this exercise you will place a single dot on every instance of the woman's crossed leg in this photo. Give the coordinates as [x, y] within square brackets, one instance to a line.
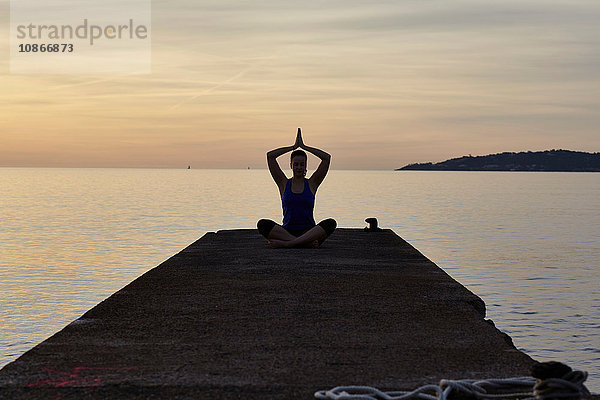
[279, 237]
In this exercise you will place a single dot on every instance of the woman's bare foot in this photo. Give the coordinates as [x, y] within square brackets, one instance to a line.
[277, 244]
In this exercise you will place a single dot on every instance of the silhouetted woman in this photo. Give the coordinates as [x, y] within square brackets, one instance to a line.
[297, 199]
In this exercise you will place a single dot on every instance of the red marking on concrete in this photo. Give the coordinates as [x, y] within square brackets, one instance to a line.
[74, 377]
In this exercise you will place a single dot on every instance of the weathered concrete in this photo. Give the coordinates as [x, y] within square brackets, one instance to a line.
[230, 318]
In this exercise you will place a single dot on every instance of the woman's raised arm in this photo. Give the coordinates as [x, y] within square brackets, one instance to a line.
[276, 172]
[318, 176]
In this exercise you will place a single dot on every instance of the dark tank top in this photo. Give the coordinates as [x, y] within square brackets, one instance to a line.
[298, 208]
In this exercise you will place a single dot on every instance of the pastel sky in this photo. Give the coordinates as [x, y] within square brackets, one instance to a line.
[376, 84]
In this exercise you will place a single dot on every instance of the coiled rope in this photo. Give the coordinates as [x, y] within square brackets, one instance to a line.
[569, 386]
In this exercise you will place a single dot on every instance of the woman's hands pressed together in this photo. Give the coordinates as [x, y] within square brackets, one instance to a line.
[299, 142]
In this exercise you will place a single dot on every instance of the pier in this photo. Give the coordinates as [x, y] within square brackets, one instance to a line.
[228, 317]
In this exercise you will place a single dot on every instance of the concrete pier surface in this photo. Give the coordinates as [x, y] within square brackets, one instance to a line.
[228, 317]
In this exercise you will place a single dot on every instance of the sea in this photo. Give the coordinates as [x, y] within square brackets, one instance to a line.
[527, 243]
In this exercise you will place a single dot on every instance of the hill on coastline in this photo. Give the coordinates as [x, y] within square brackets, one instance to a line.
[549, 160]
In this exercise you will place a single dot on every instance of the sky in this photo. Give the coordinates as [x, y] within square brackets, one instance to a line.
[378, 85]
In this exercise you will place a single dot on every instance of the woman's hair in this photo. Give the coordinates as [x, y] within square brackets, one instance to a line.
[298, 153]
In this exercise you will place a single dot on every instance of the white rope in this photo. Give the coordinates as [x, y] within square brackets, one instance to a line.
[371, 393]
[526, 388]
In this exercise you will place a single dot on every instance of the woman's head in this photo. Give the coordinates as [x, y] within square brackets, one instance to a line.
[298, 162]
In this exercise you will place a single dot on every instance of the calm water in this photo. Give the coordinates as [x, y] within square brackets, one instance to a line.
[527, 243]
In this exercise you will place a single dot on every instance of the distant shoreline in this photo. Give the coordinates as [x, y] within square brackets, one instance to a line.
[539, 161]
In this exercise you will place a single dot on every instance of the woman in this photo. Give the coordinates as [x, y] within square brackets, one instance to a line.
[297, 199]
